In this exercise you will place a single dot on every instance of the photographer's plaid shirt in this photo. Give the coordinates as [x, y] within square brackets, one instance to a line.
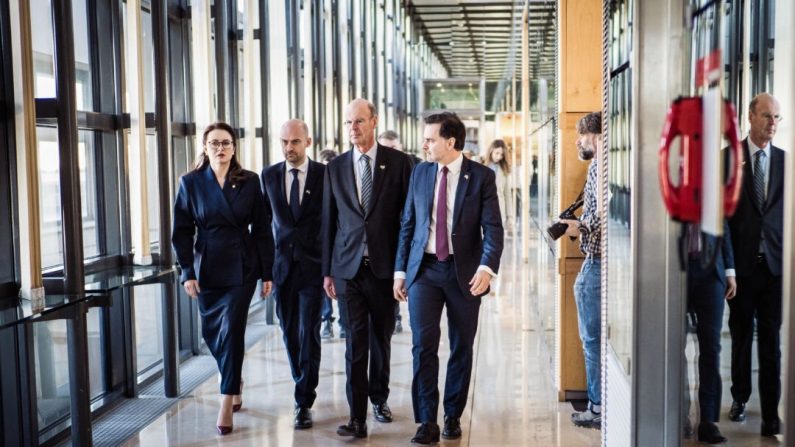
[591, 222]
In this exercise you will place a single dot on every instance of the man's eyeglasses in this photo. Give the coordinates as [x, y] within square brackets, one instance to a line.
[775, 118]
[358, 122]
[215, 144]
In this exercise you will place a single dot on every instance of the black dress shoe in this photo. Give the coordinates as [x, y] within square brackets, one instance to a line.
[355, 427]
[303, 418]
[428, 433]
[708, 432]
[737, 412]
[452, 428]
[772, 427]
[382, 412]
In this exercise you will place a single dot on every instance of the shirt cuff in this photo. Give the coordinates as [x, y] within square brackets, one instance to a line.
[400, 275]
[487, 269]
[730, 272]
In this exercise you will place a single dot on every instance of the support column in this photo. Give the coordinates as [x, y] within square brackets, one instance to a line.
[26, 154]
[785, 136]
[580, 93]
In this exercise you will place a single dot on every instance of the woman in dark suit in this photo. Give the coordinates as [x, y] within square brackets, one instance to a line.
[221, 204]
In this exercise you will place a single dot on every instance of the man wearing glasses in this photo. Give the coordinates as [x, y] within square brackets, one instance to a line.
[756, 233]
[363, 196]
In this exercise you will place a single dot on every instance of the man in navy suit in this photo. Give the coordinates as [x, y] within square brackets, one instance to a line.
[451, 240]
[756, 232]
[363, 196]
[294, 195]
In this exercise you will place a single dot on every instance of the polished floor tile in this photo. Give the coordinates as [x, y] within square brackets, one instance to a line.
[512, 401]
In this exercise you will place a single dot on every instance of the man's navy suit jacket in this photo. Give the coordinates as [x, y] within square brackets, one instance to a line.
[477, 232]
[295, 240]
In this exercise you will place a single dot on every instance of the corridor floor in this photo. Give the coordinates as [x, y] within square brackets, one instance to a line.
[512, 401]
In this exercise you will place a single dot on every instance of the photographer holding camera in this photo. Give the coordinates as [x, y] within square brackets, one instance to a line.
[587, 287]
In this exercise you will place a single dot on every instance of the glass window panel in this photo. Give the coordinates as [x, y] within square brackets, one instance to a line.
[148, 55]
[279, 91]
[93, 323]
[82, 55]
[49, 197]
[148, 327]
[152, 189]
[86, 153]
[52, 372]
[44, 85]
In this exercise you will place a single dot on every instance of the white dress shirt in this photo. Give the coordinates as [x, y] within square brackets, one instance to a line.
[288, 179]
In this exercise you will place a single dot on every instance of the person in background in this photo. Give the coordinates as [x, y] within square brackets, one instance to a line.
[588, 285]
[221, 204]
[294, 197]
[468, 154]
[497, 160]
[390, 138]
[327, 312]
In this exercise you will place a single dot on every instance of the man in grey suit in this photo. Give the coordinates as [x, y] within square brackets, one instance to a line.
[756, 234]
[363, 196]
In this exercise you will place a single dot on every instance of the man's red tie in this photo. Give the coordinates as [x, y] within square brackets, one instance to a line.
[442, 247]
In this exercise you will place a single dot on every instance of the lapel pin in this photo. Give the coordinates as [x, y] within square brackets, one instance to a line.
[466, 176]
[382, 167]
[234, 186]
[308, 191]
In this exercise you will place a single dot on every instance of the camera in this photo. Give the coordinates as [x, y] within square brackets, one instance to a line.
[558, 229]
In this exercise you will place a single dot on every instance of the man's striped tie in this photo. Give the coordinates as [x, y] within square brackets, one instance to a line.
[759, 178]
[367, 181]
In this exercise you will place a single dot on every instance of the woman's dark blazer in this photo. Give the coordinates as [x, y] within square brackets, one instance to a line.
[233, 241]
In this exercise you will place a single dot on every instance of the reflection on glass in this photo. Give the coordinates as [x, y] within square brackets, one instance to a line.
[50, 195]
[148, 327]
[82, 55]
[42, 38]
[152, 191]
[94, 352]
[452, 97]
[52, 372]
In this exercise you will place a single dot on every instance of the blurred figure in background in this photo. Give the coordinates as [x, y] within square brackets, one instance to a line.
[327, 312]
[497, 160]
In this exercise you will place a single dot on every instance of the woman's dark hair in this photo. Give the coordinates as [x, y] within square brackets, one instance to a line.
[450, 126]
[504, 164]
[202, 160]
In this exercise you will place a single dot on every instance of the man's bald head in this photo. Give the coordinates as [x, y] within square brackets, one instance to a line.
[294, 139]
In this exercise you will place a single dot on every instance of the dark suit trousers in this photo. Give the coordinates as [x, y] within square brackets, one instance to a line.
[298, 303]
[705, 294]
[759, 295]
[435, 288]
[367, 312]
[224, 312]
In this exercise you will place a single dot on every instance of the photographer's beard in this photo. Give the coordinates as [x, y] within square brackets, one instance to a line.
[585, 153]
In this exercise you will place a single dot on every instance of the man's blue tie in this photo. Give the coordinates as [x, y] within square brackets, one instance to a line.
[759, 179]
[295, 200]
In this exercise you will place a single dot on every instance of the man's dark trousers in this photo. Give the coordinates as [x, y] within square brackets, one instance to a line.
[435, 288]
[366, 294]
[298, 303]
[758, 294]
